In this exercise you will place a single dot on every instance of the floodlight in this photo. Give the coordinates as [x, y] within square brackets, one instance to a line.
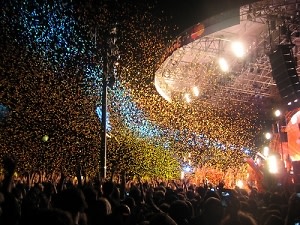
[187, 97]
[273, 164]
[268, 136]
[196, 91]
[277, 113]
[266, 151]
[240, 183]
[238, 49]
[223, 65]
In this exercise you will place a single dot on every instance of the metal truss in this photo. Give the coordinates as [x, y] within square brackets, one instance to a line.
[250, 78]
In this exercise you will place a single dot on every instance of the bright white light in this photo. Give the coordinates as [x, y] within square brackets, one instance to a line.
[162, 92]
[240, 183]
[268, 136]
[273, 164]
[196, 91]
[294, 119]
[261, 155]
[238, 49]
[223, 65]
[277, 113]
[187, 97]
[187, 169]
[266, 151]
[257, 160]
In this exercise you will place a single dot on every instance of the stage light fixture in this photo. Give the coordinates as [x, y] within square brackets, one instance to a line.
[223, 65]
[196, 91]
[273, 164]
[266, 151]
[238, 49]
[294, 119]
[187, 97]
[277, 113]
[268, 136]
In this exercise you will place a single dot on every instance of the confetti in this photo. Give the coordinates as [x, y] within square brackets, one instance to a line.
[51, 70]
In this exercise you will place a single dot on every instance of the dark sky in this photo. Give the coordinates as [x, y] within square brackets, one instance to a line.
[186, 13]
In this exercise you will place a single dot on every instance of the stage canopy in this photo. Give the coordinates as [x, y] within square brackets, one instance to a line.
[226, 57]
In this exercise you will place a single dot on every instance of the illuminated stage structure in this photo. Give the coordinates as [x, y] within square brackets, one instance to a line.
[192, 59]
[201, 65]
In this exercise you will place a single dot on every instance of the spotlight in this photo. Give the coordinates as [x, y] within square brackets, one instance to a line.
[277, 113]
[223, 65]
[240, 183]
[294, 120]
[268, 136]
[187, 97]
[187, 169]
[266, 151]
[238, 49]
[273, 164]
[196, 91]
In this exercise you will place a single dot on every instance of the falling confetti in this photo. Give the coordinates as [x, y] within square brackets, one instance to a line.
[51, 81]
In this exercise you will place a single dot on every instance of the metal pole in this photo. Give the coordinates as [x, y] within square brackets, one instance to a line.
[103, 119]
[280, 138]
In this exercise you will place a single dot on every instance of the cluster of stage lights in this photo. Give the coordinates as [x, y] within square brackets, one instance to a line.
[290, 103]
[237, 49]
[278, 115]
[272, 160]
[268, 135]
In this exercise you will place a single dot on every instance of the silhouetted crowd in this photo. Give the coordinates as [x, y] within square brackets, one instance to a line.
[112, 203]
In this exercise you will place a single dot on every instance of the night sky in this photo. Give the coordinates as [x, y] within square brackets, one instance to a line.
[187, 13]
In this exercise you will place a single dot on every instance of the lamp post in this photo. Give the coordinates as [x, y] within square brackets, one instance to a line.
[103, 116]
[278, 127]
[110, 54]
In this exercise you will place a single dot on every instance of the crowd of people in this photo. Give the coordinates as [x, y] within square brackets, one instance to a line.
[141, 203]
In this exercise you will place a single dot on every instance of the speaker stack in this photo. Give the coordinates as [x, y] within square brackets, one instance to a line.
[296, 170]
[284, 73]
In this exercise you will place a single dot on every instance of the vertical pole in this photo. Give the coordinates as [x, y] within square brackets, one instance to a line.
[103, 119]
[280, 138]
